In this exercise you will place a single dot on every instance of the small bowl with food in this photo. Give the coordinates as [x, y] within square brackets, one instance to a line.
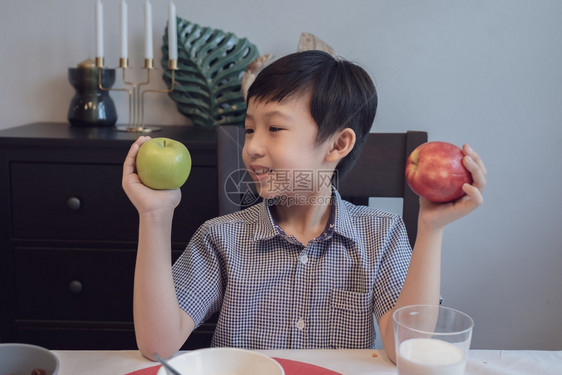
[25, 359]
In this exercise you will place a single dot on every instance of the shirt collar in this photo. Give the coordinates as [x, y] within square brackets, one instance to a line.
[342, 222]
[266, 227]
[339, 221]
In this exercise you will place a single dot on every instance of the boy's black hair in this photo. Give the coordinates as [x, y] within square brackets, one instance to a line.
[342, 95]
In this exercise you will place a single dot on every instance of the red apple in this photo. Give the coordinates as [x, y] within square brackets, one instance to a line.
[434, 170]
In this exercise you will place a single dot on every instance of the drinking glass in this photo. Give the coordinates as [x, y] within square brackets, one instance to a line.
[431, 339]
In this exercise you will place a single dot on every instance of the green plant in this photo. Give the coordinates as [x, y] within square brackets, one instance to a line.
[211, 63]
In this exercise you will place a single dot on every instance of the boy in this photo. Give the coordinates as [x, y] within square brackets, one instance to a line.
[302, 269]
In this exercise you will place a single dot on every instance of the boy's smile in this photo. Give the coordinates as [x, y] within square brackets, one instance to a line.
[259, 173]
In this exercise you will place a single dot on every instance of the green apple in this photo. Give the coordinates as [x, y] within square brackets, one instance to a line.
[163, 164]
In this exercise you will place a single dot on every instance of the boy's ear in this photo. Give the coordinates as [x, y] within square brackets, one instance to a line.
[342, 144]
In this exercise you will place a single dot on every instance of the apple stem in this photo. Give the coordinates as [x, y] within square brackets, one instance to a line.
[164, 143]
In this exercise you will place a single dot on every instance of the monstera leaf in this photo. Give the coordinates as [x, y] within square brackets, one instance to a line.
[210, 68]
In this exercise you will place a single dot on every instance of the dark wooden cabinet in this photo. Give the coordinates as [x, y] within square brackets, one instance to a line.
[68, 233]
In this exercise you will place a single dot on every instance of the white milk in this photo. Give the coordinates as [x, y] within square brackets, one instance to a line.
[430, 357]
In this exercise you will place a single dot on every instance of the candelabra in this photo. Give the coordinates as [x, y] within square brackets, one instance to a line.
[135, 93]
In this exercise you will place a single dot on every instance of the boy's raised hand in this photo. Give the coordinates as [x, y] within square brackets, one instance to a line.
[438, 215]
[144, 198]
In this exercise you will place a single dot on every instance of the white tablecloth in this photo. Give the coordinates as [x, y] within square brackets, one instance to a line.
[348, 362]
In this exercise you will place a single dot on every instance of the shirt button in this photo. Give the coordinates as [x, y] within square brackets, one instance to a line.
[304, 259]
[300, 324]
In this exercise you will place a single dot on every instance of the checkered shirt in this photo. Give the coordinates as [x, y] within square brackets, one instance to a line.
[273, 292]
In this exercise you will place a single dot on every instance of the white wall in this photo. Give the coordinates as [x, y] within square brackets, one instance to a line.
[484, 72]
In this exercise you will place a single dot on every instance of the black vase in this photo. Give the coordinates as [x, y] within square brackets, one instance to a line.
[91, 106]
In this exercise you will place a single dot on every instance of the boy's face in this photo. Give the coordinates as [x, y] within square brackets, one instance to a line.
[280, 150]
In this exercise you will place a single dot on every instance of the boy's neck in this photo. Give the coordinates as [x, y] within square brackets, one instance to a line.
[304, 221]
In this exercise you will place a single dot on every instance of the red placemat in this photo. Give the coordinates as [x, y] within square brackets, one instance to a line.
[146, 371]
[291, 368]
[302, 368]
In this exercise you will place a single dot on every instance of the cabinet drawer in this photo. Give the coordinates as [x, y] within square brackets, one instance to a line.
[81, 299]
[76, 336]
[95, 285]
[65, 335]
[86, 202]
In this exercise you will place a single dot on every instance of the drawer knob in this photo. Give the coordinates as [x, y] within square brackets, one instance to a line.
[75, 286]
[73, 203]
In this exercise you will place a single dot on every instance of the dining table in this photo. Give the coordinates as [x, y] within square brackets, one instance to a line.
[324, 361]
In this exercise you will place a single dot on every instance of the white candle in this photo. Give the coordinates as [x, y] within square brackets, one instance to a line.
[99, 29]
[424, 356]
[148, 30]
[172, 33]
[124, 47]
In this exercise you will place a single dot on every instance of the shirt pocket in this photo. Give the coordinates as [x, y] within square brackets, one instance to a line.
[351, 320]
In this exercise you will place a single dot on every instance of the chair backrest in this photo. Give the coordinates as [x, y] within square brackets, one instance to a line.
[230, 141]
[379, 172]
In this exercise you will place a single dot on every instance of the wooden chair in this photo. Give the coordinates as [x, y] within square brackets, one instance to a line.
[379, 172]
[230, 141]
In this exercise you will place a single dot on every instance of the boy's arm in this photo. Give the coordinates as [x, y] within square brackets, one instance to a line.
[161, 326]
[422, 284]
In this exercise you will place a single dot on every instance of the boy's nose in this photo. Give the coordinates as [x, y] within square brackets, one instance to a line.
[254, 147]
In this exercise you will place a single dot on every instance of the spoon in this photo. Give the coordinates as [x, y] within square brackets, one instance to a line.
[169, 369]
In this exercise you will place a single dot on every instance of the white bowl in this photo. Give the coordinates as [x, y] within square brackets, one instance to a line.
[224, 361]
[24, 358]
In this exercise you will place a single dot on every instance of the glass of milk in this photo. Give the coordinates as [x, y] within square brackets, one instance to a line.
[431, 340]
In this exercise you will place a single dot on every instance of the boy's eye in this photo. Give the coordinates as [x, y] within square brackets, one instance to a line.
[249, 131]
[274, 129]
